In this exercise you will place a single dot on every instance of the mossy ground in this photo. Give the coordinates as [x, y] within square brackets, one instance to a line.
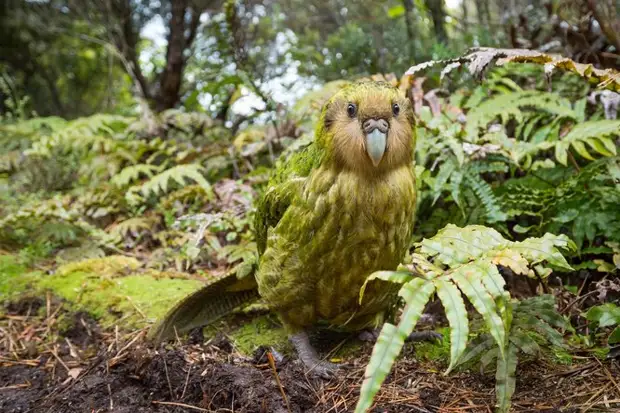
[259, 331]
[111, 289]
[114, 291]
[15, 278]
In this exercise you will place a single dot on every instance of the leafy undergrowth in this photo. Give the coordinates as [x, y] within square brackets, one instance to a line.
[56, 360]
[120, 222]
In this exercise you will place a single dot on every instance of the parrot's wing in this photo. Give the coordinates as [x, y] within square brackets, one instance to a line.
[286, 183]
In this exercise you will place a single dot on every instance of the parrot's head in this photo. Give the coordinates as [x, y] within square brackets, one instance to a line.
[368, 127]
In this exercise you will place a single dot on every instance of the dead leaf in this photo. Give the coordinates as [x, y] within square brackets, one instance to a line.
[75, 372]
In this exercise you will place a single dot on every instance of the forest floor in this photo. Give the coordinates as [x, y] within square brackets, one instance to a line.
[53, 359]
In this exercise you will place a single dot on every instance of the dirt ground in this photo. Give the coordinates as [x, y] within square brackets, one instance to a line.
[52, 361]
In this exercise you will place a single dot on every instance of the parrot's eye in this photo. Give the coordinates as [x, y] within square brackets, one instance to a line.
[395, 109]
[351, 110]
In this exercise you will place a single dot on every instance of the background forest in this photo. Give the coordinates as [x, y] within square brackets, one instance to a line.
[135, 136]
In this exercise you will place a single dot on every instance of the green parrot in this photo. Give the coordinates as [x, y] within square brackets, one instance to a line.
[335, 212]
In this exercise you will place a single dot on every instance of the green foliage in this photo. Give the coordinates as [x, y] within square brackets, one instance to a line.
[606, 315]
[534, 322]
[466, 261]
[511, 105]
[95, 185]
[524, 161]
[507, 162]
[159, 183]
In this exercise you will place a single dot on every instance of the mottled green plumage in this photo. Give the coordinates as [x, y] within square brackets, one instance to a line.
[325, 226]
[329, 216]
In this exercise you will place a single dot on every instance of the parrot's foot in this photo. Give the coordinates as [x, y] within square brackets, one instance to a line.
[308, 355]
[371, 335]
[418, 336]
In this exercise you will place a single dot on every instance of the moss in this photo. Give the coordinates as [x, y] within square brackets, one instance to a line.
[154, 295]
[349, 350]
[435, 351]
[111, 266]
[15, 278]
[134, 299]
[261, 331]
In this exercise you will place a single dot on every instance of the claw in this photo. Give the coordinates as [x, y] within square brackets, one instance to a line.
[324, 370]
[369, 335]
[308, 355]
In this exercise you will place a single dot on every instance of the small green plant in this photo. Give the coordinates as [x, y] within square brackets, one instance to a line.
[461, 262]
[606, 315]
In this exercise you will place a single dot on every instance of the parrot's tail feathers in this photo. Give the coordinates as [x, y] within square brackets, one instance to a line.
[204, 306]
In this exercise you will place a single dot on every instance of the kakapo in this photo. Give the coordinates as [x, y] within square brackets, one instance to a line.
[332, 214]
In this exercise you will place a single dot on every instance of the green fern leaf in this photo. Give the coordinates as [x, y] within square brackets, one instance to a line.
[399, 277]
[505, 380]
[454, 245]
[158, 184]
[524, 342]
[530, 322]
[492, 279]
[486, 196]
[478, 346]
[511, 105]
[132, 173]
[488, 358]
[595, 134]
[456, 314]
[467, 278]
[546, 249]
[416, 293]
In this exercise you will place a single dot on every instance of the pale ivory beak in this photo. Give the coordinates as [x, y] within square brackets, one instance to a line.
[376, 142]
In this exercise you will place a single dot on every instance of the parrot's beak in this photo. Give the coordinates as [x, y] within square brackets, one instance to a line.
[375, 145]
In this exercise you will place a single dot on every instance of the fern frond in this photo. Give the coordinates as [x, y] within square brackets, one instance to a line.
[391, 340]
[512, 105]
[457, 318]
[132, 173]
[505, 380]
[485, 194]
[158, 184]
[94, 134]
[597, 134]
[133, 227]
[464, 262]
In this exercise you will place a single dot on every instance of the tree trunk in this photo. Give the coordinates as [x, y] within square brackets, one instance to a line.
[51, 85]
[170, 80]
[438, 15]
[169, 93]
[127, 41]
[409, 21]
[465, 16]
[606, 13]
[484, 15]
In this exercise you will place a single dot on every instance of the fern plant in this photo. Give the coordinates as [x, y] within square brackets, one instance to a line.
[558, 199]
[606, 315]
[457, 262]
[159, 183]
[534, 320]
